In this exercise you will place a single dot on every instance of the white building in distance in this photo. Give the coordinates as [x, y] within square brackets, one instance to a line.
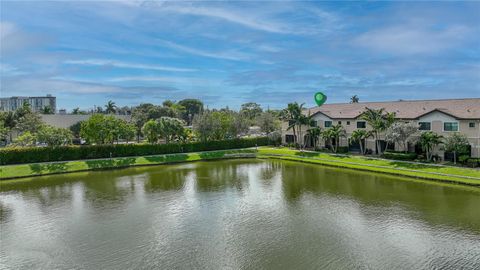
[36, 103]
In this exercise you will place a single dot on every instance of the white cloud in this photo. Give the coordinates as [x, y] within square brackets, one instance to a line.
[412, 39]
[113, 63]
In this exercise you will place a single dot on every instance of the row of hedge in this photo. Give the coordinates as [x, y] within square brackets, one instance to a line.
[399, 155]
[64, 153]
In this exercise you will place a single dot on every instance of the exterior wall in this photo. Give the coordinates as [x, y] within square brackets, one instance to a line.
[435, 118]
[67, 120]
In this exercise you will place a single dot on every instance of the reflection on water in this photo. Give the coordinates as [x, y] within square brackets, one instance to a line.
[239, 214]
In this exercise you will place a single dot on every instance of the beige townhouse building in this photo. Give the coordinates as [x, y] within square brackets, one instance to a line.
[444, 117]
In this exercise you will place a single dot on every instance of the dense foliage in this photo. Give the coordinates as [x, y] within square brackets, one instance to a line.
[219, 125]
[20, 155]
[101, 129]
[457, 143]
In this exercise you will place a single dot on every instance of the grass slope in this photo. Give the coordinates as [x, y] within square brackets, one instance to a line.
[36, 169]
[423, 171]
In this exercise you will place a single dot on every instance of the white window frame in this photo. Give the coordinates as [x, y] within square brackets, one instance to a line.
[425, 122]
[458, 126]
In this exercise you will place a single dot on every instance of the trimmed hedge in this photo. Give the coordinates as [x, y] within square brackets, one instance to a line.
[63, 153]
[400, 156]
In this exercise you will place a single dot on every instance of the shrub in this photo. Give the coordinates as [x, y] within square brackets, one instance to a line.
[342, 149]
[463, 159]
[18, 155]
[399, 156]
[473, 162]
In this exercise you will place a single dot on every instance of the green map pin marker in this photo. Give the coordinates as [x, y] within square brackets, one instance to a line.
[320, 98]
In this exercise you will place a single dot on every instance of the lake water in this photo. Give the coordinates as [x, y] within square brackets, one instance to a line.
[237, 214]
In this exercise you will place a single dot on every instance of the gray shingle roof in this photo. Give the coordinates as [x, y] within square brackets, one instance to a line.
[468, 108]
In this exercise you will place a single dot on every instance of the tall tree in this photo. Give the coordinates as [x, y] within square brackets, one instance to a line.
[360, 136]
[268, 122]
[334, 134]
[192, 108]
[401, 133]
[456, 143]
[379, 120]
[47, 110]
[110, 107]
[251, 110]
[292, 114]
[354, 99]
[140, 115]
[151, 131]
[429, 140]
[314, 134]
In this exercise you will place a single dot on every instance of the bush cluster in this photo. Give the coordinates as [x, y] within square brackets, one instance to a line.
[473, 162]
[400, 155]
[64, 153]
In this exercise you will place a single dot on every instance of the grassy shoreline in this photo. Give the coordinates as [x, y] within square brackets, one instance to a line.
[422, 171]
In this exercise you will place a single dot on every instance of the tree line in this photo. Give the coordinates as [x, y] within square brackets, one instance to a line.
[183, 121]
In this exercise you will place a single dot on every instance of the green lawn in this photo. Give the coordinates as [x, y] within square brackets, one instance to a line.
[35, 169]
[423, 171]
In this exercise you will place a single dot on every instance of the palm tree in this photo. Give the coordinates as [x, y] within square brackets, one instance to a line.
[354, 99]
[292, 115]
[110, 107]
[428, 141]
[47, 110]
[334, 133]
[379, 120]
[360, 135]
[314, 133]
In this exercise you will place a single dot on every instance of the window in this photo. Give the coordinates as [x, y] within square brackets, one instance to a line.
[348, 123]
[339, 122]
[450, 126]
[314, 124]
[471, 124]
[424, 125]
[361, 124]
[328, 124]
[289, 138]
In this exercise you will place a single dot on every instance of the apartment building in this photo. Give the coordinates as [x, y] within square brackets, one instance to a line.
[441, 116]
[36, 103]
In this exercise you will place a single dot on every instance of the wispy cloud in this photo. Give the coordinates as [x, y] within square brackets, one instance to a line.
[119, 64]
[241, 18]
[170, 79]
[227, 55]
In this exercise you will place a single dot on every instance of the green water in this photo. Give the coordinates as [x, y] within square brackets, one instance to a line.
[237, 214]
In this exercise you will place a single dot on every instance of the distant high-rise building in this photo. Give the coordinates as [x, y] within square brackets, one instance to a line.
[36, 103]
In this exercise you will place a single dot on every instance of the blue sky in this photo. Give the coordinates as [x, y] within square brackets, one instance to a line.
[88, 52]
